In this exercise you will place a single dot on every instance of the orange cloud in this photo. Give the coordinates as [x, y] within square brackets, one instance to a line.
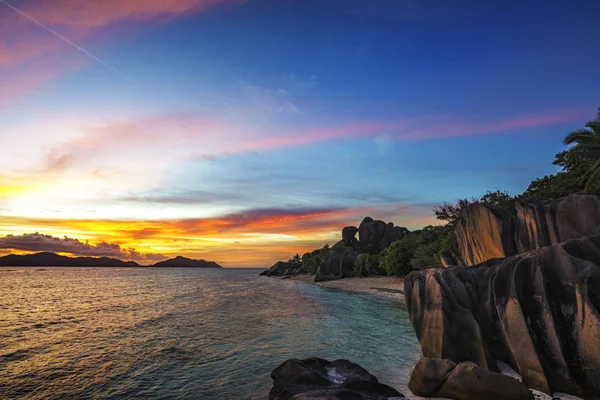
[253, 238]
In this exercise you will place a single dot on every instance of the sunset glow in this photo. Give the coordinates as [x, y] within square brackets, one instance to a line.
[128, 130]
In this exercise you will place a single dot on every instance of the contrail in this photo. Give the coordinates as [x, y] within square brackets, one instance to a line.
[64, 39]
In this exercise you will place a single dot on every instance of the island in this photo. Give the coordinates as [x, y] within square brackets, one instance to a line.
[48, 259]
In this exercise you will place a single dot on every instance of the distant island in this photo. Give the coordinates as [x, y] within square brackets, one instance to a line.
[47, 259]
[183, 262]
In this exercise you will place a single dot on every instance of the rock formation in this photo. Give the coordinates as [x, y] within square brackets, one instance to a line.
[488, 231]
[336, 265]
[485, 231]
[315, 378]
[539, 312]
[375, 235]
[284, 268]
[434, 377]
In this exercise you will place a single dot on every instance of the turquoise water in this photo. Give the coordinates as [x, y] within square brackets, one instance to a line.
[183, 333]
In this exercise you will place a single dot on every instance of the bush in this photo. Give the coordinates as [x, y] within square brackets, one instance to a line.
[396, 259]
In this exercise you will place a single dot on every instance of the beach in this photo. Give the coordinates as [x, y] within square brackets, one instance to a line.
[381, 285]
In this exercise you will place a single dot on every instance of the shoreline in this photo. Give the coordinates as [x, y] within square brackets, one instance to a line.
[378, 285]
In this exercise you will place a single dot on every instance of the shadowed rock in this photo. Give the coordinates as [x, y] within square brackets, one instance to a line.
[316, 378]
[284, 268]
[336, 265]
[434, 377]
[375, 235]
[538, 312]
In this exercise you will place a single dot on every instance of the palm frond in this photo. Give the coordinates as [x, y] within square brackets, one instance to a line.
[593, 183]
[578, 136]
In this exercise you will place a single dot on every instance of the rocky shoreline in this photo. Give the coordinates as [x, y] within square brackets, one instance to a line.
[513, 314]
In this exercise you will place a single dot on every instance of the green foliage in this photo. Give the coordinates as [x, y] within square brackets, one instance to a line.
[586, 150]
[311, 260]
[498, 198]
[396, 259]
[367, 265]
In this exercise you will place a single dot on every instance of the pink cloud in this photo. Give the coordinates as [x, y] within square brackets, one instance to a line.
[30, 56]
[455, 128]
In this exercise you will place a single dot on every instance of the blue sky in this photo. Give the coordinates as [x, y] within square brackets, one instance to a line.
[294, 117]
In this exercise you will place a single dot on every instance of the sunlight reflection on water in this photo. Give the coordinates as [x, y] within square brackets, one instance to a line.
[183, 333]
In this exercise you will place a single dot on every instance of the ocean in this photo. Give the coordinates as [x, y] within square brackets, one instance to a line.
[111, 333]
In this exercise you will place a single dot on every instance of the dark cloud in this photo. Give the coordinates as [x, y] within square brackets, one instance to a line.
[180, 197]
[39, 242]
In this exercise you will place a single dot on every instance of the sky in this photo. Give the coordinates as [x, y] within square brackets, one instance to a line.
[245, 131]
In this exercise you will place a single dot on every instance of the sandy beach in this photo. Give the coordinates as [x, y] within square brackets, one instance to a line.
[381, 285]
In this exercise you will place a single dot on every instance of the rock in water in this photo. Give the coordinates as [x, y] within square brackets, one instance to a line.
[539, 312]
[316, 378]
[284, 268]
[435, 377]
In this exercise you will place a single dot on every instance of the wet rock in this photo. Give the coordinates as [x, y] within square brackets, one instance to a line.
[316, 378]
[434, 377]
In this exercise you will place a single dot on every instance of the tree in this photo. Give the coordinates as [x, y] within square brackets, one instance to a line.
[367, 265]
[451, 213]
[587, 146]
[396, 259]
[498, 198]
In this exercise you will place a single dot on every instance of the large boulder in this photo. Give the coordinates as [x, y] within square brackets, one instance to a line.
[336, 265]
[375, 235]
[485, 231]
[435, 377]
[349, 237]
[539, 312]
[284, 268]
[316, 378]
[544, 223]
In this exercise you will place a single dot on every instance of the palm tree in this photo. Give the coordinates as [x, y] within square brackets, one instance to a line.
[587, 146]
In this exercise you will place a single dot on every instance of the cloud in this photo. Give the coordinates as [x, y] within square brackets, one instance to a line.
[40, 242]
[180, 197]
[31, 57]
[152, 143]
[254, 237]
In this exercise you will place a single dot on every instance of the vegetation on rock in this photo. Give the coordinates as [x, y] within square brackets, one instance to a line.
[394, 251]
